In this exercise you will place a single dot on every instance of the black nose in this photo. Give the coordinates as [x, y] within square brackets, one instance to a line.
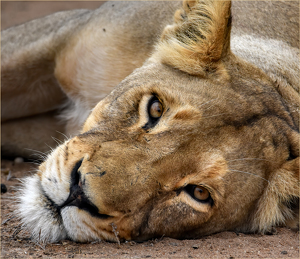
[76, 185]
[77, 196]
[76, 191]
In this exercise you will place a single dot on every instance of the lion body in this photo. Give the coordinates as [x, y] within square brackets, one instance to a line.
[227, 122]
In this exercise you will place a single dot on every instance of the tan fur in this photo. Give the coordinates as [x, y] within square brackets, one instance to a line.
[197, 53]
[229, 123]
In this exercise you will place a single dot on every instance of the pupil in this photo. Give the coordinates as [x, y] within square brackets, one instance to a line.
[156, 109]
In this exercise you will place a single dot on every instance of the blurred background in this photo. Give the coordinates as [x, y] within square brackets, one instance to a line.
[17, 12]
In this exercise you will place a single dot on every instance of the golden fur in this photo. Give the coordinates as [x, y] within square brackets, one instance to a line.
[203, 137]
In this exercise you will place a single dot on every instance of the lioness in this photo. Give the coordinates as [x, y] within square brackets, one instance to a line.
[203, 137]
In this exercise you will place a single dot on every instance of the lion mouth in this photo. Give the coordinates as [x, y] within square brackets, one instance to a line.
[77, 196]
[78, 199]
[47, 218]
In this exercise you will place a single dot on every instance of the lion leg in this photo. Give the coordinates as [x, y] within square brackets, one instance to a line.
[29, 89]
[40, 133]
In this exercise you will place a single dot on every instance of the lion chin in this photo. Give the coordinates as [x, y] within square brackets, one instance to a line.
[49, 222]
[201, 138]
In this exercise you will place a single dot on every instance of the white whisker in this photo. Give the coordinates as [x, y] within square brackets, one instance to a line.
[261, 159]
[38, 154]
[51, 148]
[57, 141]
[232, 170]
[64, 135]
[207, 103]
[214, 115]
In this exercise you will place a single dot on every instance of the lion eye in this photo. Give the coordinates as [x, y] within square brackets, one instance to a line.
[201, 193]
[156, 109]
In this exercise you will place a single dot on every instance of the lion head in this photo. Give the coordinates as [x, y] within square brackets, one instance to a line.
[194, 142]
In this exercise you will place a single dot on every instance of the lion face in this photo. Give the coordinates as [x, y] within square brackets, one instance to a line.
[171, 153]
[161, 157]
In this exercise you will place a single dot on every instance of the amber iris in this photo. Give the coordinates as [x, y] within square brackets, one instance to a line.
[201, 193]
[156, 109]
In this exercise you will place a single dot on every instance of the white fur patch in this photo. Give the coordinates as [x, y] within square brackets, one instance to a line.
[38, 206]
[36, 213]
[79, 225]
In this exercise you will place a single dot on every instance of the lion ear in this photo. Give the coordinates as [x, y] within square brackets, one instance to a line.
[199, 39]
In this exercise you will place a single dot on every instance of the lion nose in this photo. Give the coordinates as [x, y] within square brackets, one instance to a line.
[76, 193]
[77, 196]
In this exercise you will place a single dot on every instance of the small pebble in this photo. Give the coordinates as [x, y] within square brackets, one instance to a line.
[284, 252]
[3, 188]
[195, 246]
[19, 160]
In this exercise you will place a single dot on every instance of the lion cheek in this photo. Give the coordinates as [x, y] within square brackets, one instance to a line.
[171, 218]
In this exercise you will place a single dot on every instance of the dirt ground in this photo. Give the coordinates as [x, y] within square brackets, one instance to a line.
[15, 243]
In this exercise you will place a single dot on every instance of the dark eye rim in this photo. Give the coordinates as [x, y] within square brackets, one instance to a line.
[190, 188]
[152, 121]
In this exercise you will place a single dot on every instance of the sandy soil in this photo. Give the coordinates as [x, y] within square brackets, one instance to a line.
[284, 243]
